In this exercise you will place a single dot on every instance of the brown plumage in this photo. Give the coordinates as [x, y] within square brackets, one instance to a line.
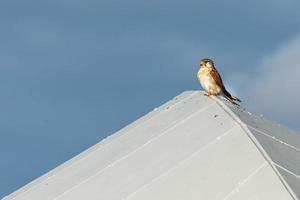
[211, 81]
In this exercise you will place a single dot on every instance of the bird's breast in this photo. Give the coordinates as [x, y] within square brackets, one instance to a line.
[207, 81]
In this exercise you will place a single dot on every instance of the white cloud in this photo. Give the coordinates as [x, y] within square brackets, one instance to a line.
[275, 88]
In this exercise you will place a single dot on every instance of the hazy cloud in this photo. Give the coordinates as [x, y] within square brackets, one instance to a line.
[274, 90]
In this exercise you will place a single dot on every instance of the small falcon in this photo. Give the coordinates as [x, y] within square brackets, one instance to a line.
[211, 81]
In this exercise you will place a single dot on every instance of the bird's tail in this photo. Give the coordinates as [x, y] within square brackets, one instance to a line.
[231, 98]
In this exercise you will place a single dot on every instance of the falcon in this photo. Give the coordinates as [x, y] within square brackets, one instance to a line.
[211, 81]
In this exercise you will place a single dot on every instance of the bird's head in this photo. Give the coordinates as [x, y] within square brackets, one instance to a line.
[206, 62]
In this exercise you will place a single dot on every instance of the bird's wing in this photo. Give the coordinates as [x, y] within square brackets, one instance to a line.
[217, 78]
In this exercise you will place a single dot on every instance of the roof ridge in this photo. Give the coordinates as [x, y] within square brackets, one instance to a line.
[255, 142]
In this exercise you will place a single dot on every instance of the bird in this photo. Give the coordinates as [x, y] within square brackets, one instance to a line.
[211, 81]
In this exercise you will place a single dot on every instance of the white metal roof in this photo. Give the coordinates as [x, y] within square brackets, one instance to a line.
[192, 147]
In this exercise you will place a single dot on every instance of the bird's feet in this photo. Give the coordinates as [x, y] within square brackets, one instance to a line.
[207, 94]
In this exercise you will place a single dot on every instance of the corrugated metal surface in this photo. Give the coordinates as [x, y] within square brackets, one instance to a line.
[280, 143]
[189, 148]
[292, 179]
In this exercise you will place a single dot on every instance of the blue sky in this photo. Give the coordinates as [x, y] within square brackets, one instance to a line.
[73, 72]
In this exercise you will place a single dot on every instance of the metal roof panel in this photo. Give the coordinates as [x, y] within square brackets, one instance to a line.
[191, 147]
